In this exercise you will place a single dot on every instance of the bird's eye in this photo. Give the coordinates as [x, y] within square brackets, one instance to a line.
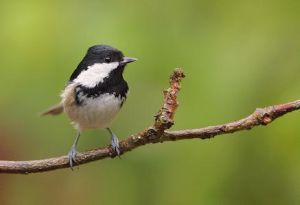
[107, 60]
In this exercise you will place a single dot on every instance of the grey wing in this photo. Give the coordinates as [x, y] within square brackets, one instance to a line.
[68, 97]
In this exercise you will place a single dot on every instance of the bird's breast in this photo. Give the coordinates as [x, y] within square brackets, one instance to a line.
[93, 111]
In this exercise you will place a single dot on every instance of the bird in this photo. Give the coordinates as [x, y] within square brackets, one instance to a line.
[94, 94]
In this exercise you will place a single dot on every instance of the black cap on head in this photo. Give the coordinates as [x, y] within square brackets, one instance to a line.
[103, 54]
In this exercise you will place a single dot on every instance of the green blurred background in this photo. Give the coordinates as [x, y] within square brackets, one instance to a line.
[237, 55]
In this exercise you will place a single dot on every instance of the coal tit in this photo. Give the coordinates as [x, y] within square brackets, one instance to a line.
[95, 93]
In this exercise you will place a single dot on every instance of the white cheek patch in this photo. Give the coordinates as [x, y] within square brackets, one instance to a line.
[95, 74]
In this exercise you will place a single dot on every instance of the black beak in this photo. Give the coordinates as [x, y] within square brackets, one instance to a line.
[127, 60]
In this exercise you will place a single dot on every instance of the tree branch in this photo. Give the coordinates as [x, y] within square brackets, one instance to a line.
[156, 133]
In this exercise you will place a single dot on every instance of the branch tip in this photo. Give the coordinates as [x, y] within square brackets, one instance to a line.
[164, 119]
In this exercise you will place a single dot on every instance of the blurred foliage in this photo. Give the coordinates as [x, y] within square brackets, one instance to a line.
[237, 55]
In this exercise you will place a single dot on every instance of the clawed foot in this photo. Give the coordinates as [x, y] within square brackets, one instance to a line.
[115, 144]
[72, 156]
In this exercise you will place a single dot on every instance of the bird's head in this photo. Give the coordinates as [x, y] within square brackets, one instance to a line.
[98, 63]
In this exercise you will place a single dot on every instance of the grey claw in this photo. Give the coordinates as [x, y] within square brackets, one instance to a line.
[72, 156]
[115, 144]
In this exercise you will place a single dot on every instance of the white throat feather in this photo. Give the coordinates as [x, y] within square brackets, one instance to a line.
[95, 74]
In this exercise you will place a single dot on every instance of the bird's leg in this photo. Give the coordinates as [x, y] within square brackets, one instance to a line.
[72, 153]
[114, 141]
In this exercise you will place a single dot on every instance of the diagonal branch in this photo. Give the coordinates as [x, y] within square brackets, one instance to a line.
[156, 133]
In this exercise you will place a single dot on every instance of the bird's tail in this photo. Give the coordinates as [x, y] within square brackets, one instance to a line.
[55, 110]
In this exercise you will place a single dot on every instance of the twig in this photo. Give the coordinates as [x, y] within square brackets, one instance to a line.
[156, 133]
